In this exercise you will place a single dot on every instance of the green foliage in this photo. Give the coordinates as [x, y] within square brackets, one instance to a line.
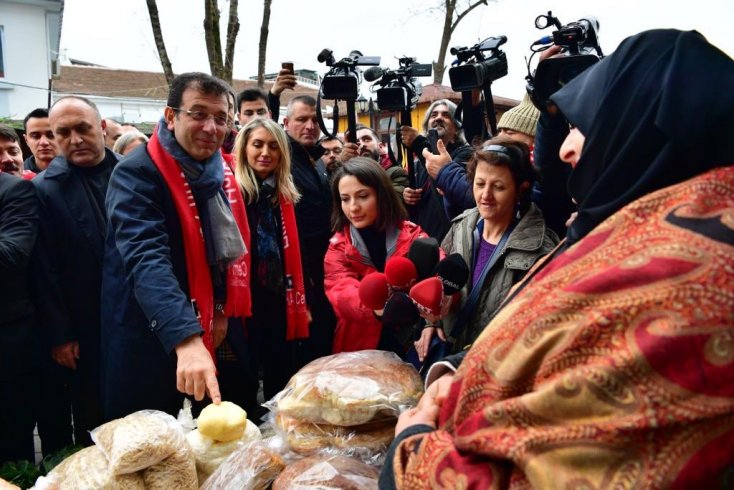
[24, 473]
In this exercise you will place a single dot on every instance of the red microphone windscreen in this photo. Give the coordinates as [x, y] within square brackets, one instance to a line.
[373, 290]
[428, 295]
[400, 272]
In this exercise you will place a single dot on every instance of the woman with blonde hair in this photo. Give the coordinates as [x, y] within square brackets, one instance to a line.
[279, 313]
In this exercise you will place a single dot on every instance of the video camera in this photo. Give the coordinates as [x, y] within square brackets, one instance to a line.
[399, 90]
[342, 81]
[580, 42]
[480, 70]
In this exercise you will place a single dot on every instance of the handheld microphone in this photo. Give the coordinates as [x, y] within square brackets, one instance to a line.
[428, 295]
[424, 254]
[374, 291]
[453, 273]
[399, 312]
[373, 73]
[400, 273]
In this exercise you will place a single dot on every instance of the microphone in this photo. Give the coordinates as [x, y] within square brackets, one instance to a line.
[324, 55]
[424, 254]
[453, 273]
[374, 291]
[399, 312]
[400, 273]
[428, 295]
[373, 73]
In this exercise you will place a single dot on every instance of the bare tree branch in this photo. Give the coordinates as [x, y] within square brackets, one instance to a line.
[211, 37]
[449, 25]
[155, 24]
[262, 49]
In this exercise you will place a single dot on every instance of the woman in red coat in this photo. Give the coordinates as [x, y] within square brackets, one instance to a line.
[370, 227]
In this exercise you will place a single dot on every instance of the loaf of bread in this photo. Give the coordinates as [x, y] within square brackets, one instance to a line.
[307, 438]
[252, 466]
[328, 472]
[350, 388]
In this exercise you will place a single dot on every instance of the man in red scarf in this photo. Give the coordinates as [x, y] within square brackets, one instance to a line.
[175, 261]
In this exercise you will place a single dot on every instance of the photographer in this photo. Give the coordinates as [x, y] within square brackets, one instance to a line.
[426, 205]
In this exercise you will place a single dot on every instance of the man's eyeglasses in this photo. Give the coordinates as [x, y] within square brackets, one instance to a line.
[201, 116]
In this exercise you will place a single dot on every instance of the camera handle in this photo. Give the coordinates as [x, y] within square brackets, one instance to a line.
[489, 109]
[351, 119]
[406, 120]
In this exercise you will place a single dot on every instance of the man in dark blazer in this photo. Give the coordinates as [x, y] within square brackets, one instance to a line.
[68, 259]
[18, 225]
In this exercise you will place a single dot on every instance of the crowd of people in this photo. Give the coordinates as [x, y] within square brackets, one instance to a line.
[592, 341]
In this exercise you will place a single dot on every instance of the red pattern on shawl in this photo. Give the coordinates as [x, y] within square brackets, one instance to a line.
[575, 384]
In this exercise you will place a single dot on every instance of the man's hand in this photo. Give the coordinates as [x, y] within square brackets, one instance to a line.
[412, 196]
[429, 405]
[66, 354]
[195, 371]
[219, 329]
[284, 81]
[434, 163]
[349, 150]
[408, 135]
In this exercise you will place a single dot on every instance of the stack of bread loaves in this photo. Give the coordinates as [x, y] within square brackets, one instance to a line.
[346, 404]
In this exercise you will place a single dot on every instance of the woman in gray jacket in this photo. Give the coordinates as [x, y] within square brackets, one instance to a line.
[502, 176]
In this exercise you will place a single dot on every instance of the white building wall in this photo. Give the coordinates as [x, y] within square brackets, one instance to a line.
[132, 110]
[26, 57]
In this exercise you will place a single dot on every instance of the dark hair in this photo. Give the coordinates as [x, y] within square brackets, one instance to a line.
[326, 138]
[202, 82]
[519, 164]
[8, 133]
[251, 95]
[374, 133]
[390, 210]
[40, 113]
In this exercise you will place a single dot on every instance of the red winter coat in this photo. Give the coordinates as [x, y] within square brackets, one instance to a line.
[344, 267]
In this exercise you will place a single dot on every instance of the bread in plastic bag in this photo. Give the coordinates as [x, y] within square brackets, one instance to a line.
[253, 466]
[138, 440]
[323, 473]
[307, 438]
[350, 388]
[210, 453]
[88, 469]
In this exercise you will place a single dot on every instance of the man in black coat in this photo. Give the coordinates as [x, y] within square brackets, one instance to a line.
[18, 225]
[313, 216]
[68, 257]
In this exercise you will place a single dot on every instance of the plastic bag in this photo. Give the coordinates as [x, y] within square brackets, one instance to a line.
[350, 388]
[139, 440]
[336, 472]
[176, 471]
[252, 466]
[369, 442]
[89, 469]
[210, 454]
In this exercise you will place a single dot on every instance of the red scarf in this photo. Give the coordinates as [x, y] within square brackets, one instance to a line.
[200, 282]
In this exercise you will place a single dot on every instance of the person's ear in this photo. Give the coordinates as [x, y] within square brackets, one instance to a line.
[169, 114]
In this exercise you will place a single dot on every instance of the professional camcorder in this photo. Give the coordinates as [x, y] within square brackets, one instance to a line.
[480, 68]
[342, 81]
[398, 90]
[580, 43]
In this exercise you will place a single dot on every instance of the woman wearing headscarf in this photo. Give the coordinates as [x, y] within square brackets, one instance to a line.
[611, 365]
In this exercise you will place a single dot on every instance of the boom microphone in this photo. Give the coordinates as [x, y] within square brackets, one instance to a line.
[374, 291]
[400, 273]
[453, 273]
[424, 254]
[373, 73]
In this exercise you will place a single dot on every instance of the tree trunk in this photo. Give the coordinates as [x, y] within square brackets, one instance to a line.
[449, 25]
[233, 28]
[262, 49]
[155, 24]
[212, 38]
